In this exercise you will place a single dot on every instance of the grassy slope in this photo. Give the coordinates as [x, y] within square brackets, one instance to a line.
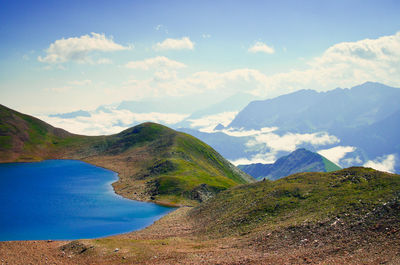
[153, 161]
[303, 197]
[329, 165]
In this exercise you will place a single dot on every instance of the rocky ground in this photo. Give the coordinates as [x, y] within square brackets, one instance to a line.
[373, 238]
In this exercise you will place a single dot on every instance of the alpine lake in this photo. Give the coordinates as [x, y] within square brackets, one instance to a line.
[66, 200]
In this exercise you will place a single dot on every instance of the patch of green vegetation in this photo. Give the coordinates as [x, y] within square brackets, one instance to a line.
[310, 197]
[330, 166]
[5, 142]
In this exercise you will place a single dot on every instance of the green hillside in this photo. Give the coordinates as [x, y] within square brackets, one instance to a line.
[154, 162]
[329, 165]
[309, 198]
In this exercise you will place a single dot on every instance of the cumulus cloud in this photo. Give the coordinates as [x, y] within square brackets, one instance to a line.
[196, 83]
[156, 62]
[383, 163]
[346, 64]
[175, 44]
[290, 141]
[263, 158]
[208, 123]
[110, 122]
[233, 80]
[342, 65]
[335, 154]
[261, 47]
[351, 161]
[78, 49]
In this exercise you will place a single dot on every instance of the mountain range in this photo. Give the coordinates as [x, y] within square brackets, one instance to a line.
[365, 118]
[334, 111]
[298, 161]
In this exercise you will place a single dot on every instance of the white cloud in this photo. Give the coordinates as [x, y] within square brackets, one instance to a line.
[232, 80]
[261, 47]
[342, 65]
[335, 154]
[208, 123]
[78, 48]
[267, 158]
[156, 62]
[383, 163]
[351, 161]
[328, 71]
[114, 121]
[243, 133]
[174, 44]
[345, 65]
[290, 141]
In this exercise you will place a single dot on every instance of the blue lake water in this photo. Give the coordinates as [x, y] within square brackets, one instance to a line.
[66, 199]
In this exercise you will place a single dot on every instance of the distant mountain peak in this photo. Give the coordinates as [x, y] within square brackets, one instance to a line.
[300, 160]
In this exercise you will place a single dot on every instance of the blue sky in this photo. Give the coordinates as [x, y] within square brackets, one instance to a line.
[293, 37]
[176, 57]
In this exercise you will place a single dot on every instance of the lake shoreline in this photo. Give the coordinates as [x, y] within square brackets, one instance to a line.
[111, 191]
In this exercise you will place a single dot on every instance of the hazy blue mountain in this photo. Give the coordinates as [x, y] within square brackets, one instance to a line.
[378, 139]
[182, 105]
[233, 103]
[71, 115]
[153, 106]
[300, 160]
[334, 111]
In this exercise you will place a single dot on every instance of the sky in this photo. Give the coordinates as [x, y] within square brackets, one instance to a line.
[60, 56]
[66, 55]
